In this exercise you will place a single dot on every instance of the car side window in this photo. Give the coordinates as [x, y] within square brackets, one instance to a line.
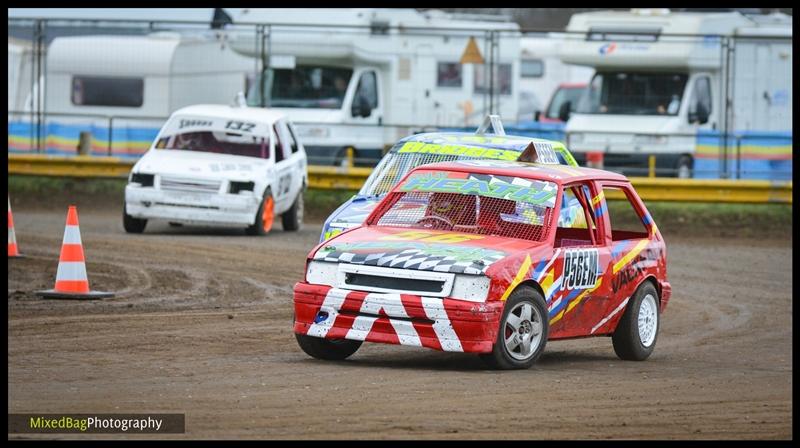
[626, 222]
[368, 88]
[577, 222]
[280, 148]
[292, 139]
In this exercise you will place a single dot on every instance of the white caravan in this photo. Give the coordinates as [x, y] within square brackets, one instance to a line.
[655, 94]
[542, 72]
[133, 83]
[221, 166]
[392, 72]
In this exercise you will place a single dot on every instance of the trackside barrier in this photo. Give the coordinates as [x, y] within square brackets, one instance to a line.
[352, 178]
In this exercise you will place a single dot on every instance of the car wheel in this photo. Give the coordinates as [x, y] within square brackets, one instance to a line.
[265, 216]
[523, 331]
[637, 331]
[131, 224]
[328, 349]
[684, 167]
[293, 218]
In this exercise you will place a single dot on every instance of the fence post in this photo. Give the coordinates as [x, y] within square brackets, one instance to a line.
[651, 162]
[84, 143]
[110, 132]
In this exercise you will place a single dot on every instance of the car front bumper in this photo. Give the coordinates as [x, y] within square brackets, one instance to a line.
[442, 324]
[191, 208]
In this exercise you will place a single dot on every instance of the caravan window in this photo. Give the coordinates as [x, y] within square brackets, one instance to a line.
[107, 91]
[629, 93]
[306, 86]
[448, 74]
[532, 68]
[502, 79]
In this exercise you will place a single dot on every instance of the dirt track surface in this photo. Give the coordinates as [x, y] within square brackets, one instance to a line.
[201, 325]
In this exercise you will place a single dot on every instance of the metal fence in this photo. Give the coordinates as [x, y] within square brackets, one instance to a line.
[353, 90]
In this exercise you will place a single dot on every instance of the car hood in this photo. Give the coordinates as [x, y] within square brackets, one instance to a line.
[424, 250]
[354, 212]
[203, 165]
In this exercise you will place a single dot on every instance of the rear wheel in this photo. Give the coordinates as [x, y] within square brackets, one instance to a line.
[523, 331]
[131, 224]
[635, 336]
[293, 218]
[265, 216]
[328, 349]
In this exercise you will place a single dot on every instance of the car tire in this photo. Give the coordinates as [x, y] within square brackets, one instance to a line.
[637, 331]
[293, 218]
[527, 306]
[327, 349]
[131, 224]
[683, 170]
[265, 216]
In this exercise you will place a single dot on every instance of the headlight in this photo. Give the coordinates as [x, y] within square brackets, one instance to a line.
[236, 187]
[322, 273]
[472, 288]
[144, 180]
[650, 139]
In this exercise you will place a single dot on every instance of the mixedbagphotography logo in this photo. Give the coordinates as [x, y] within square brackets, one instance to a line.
[97, 423]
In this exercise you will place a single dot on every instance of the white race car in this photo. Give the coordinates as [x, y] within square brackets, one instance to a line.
[224, 166]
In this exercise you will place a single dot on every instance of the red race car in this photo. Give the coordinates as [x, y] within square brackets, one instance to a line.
[490, 257]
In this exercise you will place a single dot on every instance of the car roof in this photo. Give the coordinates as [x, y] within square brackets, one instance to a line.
[507, 142]
[560, 174]
[258, 114]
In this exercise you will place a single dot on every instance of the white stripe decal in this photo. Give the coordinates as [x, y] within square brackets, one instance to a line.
[71, 271]
[547, 266]
[72, 235]
[332, 303]
[434, 309]
[605, 319]
[361, 327]
[392, 305]
[553, 288]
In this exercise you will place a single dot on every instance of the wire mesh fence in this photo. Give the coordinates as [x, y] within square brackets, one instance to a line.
[694, 105]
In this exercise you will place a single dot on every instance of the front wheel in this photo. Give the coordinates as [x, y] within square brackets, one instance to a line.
[293, 218]
[328, 349]
[264, 216]
[131, 224]
[522, 333]
[635, 336]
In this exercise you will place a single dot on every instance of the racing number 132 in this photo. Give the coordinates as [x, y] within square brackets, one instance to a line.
[240, 126]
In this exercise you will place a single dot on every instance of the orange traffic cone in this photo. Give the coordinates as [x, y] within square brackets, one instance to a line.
[13, 251]
[71, 279]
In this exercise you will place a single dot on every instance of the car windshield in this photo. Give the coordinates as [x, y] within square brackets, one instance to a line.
[629, 93]
[564, 94]
[396, 164]
[481, 204]
[315, 87]
[217, 142]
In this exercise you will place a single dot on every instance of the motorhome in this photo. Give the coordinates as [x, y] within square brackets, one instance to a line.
[129, 85]
[378, 75]
[709, 94]
[542, 73]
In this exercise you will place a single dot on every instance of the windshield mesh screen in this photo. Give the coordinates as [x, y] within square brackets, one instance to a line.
[478, 204]
[395, 166]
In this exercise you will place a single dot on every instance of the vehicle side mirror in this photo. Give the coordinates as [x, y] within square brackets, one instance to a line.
[563, 111]
[361, 107]
[537, 115]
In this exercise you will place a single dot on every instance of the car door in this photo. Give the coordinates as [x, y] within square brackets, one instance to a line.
[580, 275]
[282, 185]
[297, 160]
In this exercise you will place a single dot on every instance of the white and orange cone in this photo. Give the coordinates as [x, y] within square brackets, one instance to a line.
[71, 279]
[13, 251]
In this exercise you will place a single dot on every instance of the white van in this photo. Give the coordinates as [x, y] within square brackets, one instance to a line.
[218, 165]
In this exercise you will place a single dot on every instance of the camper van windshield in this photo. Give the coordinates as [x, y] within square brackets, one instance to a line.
[217, 142]
[315, 87]
[627, 93]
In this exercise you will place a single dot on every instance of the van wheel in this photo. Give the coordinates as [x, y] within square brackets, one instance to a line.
[637, 331]
[684, 167]
[293, 218]
[328, 349]
[522, 333]
[131, 224]
[265, 216]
